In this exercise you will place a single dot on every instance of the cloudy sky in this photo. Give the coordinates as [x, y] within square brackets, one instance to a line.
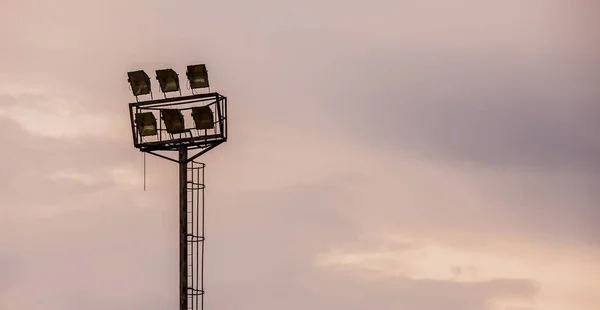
[419, 154]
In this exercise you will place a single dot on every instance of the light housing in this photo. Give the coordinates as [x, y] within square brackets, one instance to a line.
[173, 120]
[140, 82]
[146, 123]
[198, 76]
[168, 80]
[203, 117]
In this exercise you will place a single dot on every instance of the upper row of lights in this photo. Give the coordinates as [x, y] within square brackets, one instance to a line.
[168, 80]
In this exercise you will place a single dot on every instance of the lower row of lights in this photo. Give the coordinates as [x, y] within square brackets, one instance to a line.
[174, 120]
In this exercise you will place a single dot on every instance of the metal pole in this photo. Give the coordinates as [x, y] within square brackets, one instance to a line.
[183, 255]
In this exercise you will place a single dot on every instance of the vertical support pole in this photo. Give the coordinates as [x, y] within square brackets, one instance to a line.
[183, 226]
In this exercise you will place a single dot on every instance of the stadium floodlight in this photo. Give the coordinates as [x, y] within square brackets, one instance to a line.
[198, 76]
[158, 127]
[173, 120]
[140, 82]
[168, 80]
[146, 123]
[203, 117]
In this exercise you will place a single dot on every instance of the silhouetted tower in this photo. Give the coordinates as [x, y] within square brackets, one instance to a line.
[190, 126]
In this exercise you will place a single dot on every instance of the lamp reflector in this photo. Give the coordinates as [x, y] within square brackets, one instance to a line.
[168, 80]
[198, 76]
[203, 117]
[140, 82]
[146, 123]
[173, 120]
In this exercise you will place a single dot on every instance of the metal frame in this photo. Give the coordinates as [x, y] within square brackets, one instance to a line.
[191, 138]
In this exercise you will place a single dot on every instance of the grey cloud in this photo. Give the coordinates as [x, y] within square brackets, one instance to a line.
[489, 111]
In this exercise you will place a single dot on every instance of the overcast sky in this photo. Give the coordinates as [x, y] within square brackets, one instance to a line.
[418, 155]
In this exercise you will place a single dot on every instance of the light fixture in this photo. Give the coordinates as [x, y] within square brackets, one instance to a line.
[173, 120]
[198, 76]
[146, 123]
[140, 82]
[203, 117]
[168, 80]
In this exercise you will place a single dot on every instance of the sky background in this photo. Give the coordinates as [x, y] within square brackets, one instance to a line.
[418, 155]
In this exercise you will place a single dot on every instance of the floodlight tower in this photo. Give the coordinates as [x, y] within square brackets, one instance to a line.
[208, 113]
